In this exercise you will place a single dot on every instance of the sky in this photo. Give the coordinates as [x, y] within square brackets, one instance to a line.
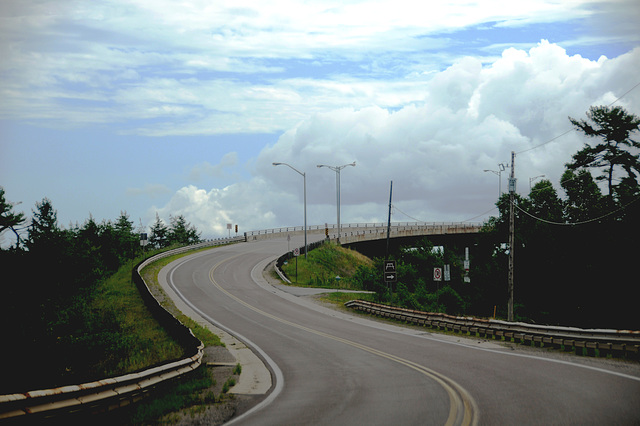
[174, 108]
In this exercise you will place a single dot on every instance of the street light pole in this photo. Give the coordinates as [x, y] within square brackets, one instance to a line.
[531, 179]
[501, 168]
[304, 177]
[499, 180]
[337, 169]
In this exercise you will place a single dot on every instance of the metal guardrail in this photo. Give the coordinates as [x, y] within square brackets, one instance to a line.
[617, 343]
[111, 393]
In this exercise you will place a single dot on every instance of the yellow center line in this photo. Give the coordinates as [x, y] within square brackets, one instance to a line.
[459, 398]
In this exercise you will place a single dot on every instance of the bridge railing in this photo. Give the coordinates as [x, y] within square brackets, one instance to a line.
[352, 229]
[619, 343]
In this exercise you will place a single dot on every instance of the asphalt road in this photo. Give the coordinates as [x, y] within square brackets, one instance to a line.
[329, 367]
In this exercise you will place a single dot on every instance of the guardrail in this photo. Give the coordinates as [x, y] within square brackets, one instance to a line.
[617, 343]
[111, 393]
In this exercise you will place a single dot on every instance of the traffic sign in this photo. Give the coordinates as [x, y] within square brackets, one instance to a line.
[296, 251]
[390, 274]
[437, 274]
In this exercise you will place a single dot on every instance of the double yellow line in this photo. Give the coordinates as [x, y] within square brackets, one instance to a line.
[462, 407]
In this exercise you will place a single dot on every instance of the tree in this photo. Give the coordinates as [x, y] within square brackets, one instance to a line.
[584, 198]
[544, 202]
[126, 239]
[159, 237]
[182, 232]
[614, 127]
[44, 233]
[8, 219]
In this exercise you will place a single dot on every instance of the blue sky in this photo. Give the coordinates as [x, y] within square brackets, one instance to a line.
[181, 107]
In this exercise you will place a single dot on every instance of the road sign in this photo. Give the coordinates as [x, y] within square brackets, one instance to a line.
[296, 251]
[390, 271]
[437, 274]
[447, 273]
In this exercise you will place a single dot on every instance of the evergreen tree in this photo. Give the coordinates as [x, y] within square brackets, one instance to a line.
[44, 234]
[8, 219]
[182, 232]
[159, 237]
[127, 240]
[613, 127]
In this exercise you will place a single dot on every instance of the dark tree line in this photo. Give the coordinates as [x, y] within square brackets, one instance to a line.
[56, 262]
[574, 257]
[55, 271]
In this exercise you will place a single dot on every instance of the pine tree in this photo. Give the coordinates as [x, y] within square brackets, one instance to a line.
[614, 127]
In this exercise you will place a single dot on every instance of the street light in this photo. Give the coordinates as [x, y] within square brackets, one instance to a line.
[501, 168]
[531, 179]
[304, 177]
[337, 170]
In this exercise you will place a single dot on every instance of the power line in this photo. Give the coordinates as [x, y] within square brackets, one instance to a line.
[572, 129]
[577, 223]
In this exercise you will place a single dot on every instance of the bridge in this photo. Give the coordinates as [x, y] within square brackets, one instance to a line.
[360, 232]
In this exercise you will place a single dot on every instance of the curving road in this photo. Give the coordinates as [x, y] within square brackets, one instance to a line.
[329, 367]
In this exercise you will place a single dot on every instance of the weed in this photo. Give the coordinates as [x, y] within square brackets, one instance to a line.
[231, 382]
[187, 393]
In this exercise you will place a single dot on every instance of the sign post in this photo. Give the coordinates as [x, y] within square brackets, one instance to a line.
[437, 274]
[467, 279]
[296, 253]
[437, 277]
[143, 241]
[390, 275]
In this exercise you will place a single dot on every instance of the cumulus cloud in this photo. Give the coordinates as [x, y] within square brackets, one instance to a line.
[190, 67]
[434, 153]
[218, 170]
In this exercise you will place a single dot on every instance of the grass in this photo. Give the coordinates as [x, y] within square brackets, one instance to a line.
[188, 393]
[338, 298]
[118, 299]
[194, 393]
[323, 265]
[150, 275]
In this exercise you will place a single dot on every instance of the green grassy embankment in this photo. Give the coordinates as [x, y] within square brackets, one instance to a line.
[324, 264]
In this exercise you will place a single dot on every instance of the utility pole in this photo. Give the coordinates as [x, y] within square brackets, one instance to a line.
[512, 191]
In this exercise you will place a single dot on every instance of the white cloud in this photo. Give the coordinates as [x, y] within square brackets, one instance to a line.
[75, 63]
[434, 153]
[413, 92]
[203, 169]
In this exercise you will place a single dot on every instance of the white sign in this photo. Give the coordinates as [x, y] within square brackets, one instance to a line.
[296, 251]
[447, 273]
[390, 271]
[437, 274]
[466, 265]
